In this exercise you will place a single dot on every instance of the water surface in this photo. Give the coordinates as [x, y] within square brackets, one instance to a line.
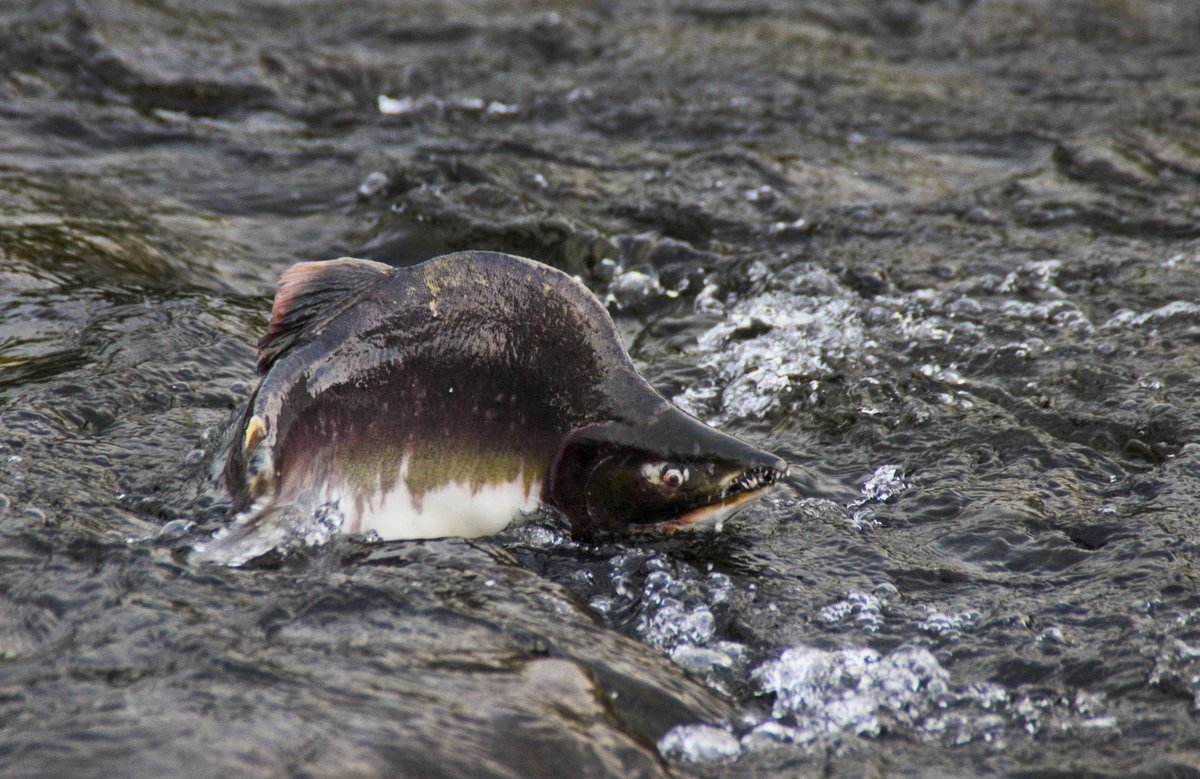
[944, 257]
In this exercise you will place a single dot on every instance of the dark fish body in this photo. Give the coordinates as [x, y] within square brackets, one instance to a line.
[450, 397]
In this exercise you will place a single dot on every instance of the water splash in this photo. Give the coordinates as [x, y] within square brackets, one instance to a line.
[699, 744]
[950, 627]
[855, 690]
[864, 608]
[268, 527]
[674, 608]
[884, 485]
[768, 346]
[633, 289]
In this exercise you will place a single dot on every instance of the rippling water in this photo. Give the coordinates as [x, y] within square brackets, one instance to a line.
[944, 257]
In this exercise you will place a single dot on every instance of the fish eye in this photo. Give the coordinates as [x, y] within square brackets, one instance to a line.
[673, 475]
[664, 474]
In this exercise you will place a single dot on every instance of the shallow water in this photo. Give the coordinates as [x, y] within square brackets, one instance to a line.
[944, 257]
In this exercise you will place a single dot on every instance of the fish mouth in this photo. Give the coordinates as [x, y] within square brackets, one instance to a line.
[752, 481]
[734, 495]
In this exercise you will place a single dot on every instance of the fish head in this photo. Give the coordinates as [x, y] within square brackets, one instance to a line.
[671, 474]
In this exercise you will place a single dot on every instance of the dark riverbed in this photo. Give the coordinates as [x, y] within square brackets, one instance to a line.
[943, 256]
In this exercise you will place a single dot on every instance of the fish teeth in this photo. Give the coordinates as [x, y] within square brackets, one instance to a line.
[751, 480]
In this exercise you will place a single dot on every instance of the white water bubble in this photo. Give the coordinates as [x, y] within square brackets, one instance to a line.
[374, 184]
[853, 689]
[699, 744]
[949, 626]
[176, 529]
[389, 106]
[540, 535]
[1175, 310]
[496, 108]
[865, 609]
[601, 605]
[885, 484]
[766, 341]
[699, 660]
[267, 527]
[760, 194]
[707, 301]
[633, 288]
[671, 605]
[467, 103]
[771, 733]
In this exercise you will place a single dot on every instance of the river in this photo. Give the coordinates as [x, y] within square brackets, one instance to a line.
[943, 256]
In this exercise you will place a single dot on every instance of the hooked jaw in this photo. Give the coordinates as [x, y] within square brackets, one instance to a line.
[737, 491]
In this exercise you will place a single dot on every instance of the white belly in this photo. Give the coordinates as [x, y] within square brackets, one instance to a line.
[453, 509]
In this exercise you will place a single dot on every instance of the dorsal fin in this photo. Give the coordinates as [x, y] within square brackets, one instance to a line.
[309, 295]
